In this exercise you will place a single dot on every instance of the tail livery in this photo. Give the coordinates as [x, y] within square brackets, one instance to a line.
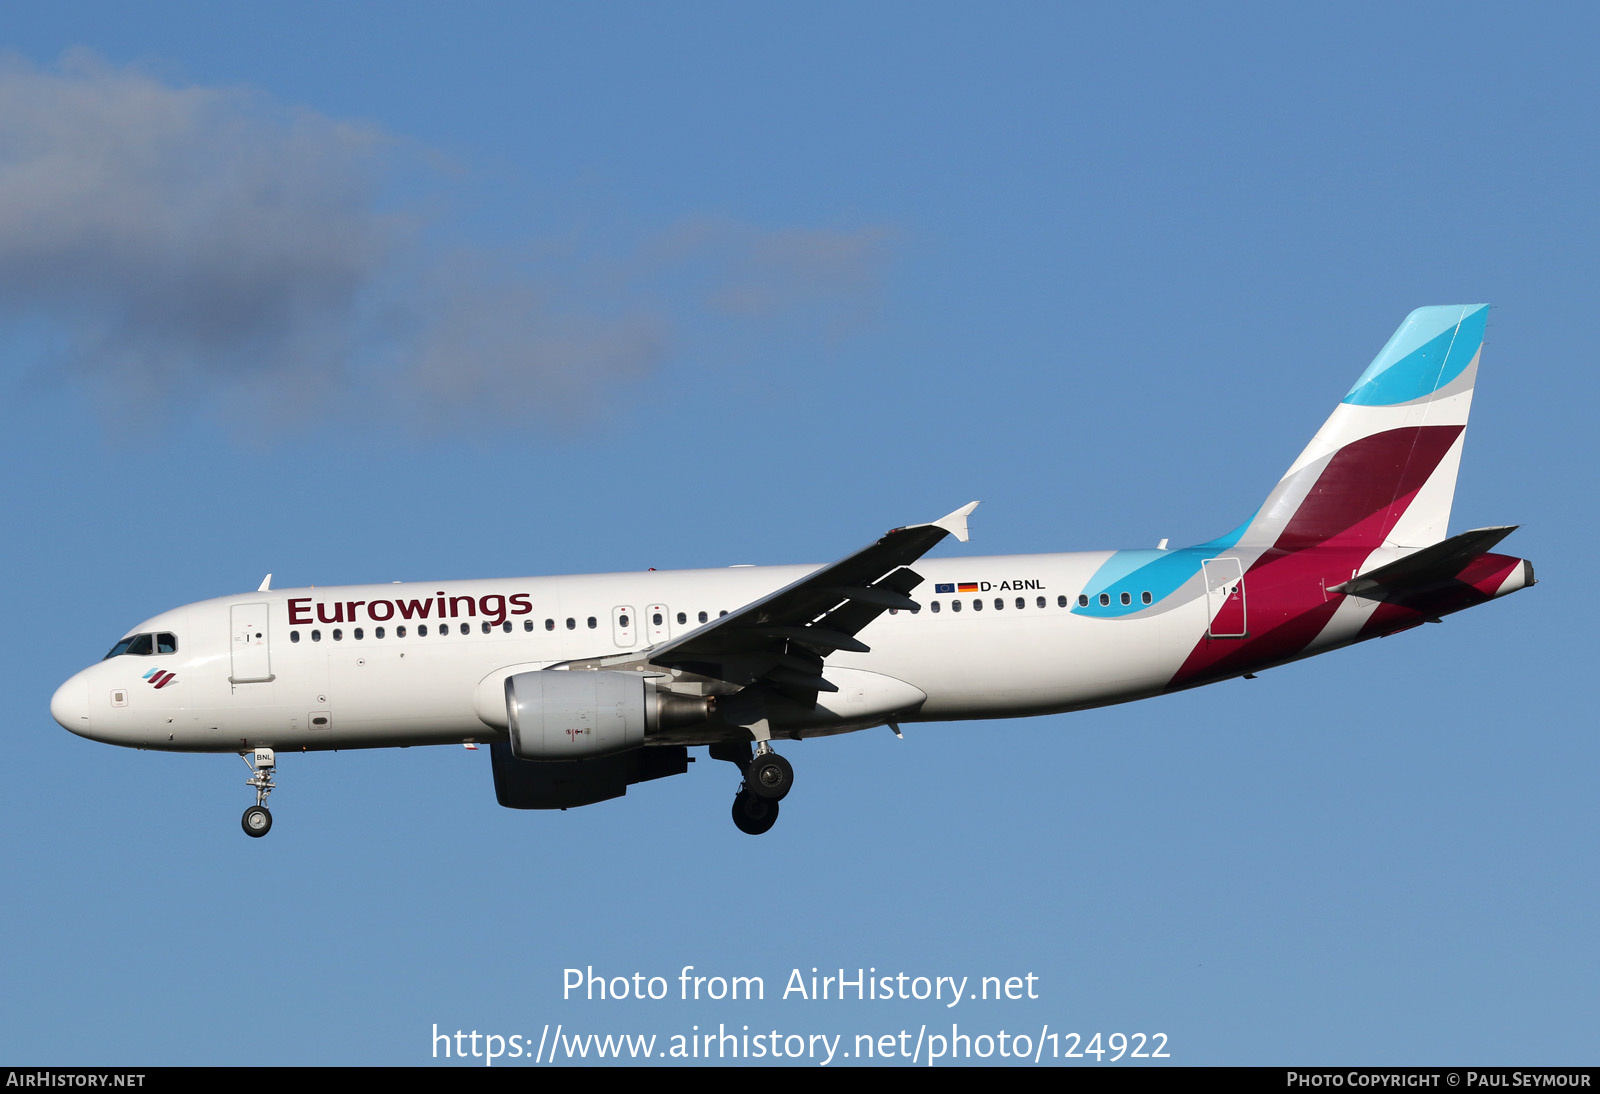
[1381, 472]
[1352, 542]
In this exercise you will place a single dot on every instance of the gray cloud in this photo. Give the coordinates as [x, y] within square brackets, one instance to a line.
[187, 243]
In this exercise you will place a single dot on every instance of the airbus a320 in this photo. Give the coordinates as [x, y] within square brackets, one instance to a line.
[584, 686]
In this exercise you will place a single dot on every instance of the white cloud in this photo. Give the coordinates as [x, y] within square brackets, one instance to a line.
[192, 244]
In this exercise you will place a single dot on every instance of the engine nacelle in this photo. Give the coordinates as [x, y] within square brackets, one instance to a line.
[567, 784]
[567, 715]
[574, 715]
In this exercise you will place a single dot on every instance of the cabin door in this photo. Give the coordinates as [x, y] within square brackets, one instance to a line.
[1225, 598]
[252, 658]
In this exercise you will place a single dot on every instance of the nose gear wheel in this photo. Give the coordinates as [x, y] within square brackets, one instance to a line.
[257, 821]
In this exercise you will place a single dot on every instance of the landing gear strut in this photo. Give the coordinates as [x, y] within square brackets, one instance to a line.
[768, 778]
[257, 821]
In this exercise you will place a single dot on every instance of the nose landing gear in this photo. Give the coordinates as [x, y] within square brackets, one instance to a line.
[256, 821]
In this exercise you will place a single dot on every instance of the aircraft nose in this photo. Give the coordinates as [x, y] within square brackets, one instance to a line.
[70, 704]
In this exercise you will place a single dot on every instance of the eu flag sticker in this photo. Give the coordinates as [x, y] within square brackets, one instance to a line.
[947, 588]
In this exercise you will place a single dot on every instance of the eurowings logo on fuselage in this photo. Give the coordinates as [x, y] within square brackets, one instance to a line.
[160, 678]
[494, 608]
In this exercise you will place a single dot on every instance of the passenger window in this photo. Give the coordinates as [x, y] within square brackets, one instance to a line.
[622, 620]
[955, 605]
[702, 617]
[1127, 598]
[1145, 596]
[422, 630]
[358, 634]
[485, 626]
[1021, 603]
[934, 607]
[549, 624]
[294, 636]
[466, 628]
[527, 624]
[655, 619]
[338, 634]
[400, 632]
[977, 605]
[682, 619]
[722, 613]
[593, 623]
[1083, 601]
[1063, 602]
[506, 626]
[316, 636]
[377, 632]
[999, 604]
[1105, 599]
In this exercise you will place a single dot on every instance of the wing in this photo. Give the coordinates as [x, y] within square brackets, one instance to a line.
[782, 638]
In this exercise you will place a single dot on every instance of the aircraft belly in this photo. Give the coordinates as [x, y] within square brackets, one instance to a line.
[1005, 666]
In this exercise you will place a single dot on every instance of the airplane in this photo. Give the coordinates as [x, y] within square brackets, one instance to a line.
[583, 686]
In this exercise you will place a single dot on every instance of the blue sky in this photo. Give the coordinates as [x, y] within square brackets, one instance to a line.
[386, 292]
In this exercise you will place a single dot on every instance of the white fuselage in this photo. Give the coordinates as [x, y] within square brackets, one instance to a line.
[316, 675]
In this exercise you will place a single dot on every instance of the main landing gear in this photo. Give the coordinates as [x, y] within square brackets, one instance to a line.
[257, 821]
[768, 778]
[753, 815]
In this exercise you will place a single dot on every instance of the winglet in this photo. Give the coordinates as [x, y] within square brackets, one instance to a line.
[956, 523]
[266, 584]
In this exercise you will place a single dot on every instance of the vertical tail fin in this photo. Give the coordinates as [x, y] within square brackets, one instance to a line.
[1382, 470]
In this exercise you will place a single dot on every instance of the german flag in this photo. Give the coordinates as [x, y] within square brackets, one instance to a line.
[968, 587]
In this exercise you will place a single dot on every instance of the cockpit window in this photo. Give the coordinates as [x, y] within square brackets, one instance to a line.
[142, 645]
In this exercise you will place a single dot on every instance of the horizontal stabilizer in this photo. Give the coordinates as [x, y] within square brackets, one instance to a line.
[1442, 561]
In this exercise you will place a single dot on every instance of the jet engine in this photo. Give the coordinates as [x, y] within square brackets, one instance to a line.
[567, 784]
[564, 715]
[577, 737]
